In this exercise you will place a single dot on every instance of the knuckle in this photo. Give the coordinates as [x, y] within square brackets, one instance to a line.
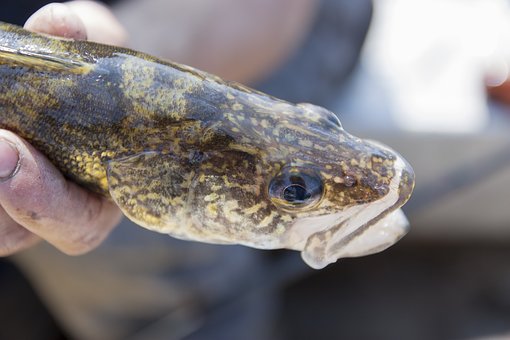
[83, 243]
[91, 230]
[14, 238]
[93, 209]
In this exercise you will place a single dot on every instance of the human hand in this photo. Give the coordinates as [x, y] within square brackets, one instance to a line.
[36, 201]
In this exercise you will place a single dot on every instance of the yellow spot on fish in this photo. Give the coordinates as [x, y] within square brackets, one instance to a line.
[153, 196]
[246, 148]
[267, 220]
[230, 214]
[286, 218]
[280, 229]
[230, 116]
[211, 210]
[237, 107]
[216, 187]
[326, 175]
[388, 163]
[319, 147]
[103, 183]
[211, 197]
[231, 205]
[306, 143]
[253, 209]
[108, 154]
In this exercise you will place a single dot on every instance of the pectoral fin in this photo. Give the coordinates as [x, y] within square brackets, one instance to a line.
[151, 189]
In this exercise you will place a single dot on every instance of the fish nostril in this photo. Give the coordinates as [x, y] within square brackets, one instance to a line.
[349, 180]
[381, 189]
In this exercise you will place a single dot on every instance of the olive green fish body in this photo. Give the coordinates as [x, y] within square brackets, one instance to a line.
[185, 153]
[83, 103]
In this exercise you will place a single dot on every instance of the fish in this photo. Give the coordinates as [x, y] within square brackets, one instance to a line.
[185, 153]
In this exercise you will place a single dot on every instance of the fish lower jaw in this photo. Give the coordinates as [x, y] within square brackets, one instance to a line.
[374, 239]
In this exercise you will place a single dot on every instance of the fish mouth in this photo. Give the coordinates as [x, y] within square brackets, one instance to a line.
[349, 239]
[378, 236]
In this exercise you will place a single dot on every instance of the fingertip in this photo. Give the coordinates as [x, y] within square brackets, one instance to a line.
[57, 19]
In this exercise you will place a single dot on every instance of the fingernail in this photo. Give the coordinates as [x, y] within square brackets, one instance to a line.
[9, 160]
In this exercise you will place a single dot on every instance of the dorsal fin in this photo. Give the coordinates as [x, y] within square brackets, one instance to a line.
[38, 60]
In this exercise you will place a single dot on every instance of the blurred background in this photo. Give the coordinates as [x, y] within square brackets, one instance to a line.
[427, 77]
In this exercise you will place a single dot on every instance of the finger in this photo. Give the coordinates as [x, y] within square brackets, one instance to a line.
[57, 19]
[37, 196]
[81, 20]
[102, 26]
[13, 237]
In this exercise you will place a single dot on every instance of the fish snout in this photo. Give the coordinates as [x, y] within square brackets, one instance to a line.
[407, 181]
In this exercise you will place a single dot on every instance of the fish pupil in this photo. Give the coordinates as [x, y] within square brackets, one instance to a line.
[296, 193]
[296, 188]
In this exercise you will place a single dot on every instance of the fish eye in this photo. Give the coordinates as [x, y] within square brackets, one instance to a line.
[294, 187]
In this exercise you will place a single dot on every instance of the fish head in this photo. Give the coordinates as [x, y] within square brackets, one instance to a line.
[302, 182]
[276, 175]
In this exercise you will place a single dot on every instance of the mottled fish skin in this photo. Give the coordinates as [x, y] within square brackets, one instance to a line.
[186, 153]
